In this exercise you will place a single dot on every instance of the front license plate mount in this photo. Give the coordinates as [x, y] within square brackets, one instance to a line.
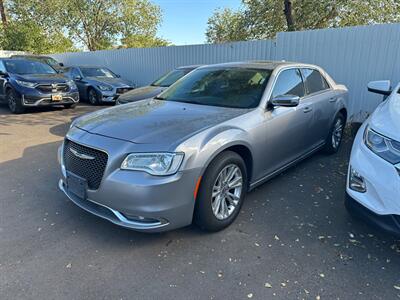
[76, 185]
[56, 98]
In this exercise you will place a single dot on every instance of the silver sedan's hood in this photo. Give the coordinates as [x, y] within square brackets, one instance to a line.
[386, 118]
[155, 121]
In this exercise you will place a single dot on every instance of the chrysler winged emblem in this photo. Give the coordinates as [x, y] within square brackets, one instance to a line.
[80, 155]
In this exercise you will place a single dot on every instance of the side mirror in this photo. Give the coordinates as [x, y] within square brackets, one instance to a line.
[2, 73]
[286, 100]
[61, 64]
[118, 76]
[77, 77]
[380, 87]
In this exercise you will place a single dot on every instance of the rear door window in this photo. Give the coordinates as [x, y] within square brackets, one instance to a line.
[289, 82]
[314, 81]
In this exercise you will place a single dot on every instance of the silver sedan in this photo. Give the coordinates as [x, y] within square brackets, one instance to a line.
[193, 152]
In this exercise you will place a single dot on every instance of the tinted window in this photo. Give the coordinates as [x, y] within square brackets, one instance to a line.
[289, 82]
[97, 72]
[227, 87]
[170, 78]
[314, 81]
[19, 66]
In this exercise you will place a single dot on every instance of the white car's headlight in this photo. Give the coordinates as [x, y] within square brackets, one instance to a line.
[26, 83]
[382, 146]
[153, 163]
[105, 87]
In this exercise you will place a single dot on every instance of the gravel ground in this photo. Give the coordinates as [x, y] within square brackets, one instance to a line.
[292, 240]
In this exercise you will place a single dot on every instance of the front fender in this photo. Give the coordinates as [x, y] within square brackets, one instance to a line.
[203, 148]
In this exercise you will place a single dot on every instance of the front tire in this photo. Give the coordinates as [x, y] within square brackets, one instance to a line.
[93, 97]
[335, 137]
[14, 102]
[222, 192]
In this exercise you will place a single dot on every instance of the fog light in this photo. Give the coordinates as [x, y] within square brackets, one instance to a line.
[356, 181]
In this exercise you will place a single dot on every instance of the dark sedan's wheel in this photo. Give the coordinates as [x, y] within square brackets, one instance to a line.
[14, 102]
[221, 192]
[93, 97]
[335, 135]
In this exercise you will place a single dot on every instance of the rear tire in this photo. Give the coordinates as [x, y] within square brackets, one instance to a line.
[93, 97]
[222, 192]
[14, 102]
[335, 137]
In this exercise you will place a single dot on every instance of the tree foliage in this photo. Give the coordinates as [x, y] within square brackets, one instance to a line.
[88, 24]
[261, 19]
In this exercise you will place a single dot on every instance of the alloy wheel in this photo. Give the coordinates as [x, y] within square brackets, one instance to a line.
[92, 97]
[227, 191]
[337, 133]
[12, 101]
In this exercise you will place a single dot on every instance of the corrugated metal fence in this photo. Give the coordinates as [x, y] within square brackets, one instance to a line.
[352, 56]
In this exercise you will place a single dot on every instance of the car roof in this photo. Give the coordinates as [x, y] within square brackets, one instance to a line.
[87, 66]
[29, 55]
[259, 64]
[191, 67]
[17, 59]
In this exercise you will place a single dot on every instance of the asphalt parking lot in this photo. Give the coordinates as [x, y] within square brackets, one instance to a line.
[292, 240]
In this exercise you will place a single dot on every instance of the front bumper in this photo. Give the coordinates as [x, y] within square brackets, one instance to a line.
[113, 95]
[388, 223]
[46, 100]
[380, 203]
[136, 200]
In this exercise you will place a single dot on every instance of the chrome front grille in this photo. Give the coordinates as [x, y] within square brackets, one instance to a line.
[53, 88]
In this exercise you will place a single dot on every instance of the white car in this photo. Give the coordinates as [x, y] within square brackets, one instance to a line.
[373, 181]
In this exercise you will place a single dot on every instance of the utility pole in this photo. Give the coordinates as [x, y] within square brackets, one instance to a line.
[289, 15]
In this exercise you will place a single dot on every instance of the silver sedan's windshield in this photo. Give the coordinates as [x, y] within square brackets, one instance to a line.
[227, 87]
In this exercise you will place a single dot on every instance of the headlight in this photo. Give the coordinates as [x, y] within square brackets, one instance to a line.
[153, 163]
[105, 87]
[382, 146]
[26, 83]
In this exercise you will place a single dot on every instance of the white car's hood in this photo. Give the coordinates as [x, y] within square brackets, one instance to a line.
[386, 118]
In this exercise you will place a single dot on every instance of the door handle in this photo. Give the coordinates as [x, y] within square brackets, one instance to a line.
[333, 99]
[307, 109]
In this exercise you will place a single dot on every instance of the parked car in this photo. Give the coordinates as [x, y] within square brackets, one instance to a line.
[98, 84]
[58, 66]
[158, 86]
[193, 152]
[373, 183]
[28, 83]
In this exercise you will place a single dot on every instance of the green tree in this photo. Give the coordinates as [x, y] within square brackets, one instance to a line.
[29, 36]
[101, 24]
[143, 41]
[261, 19]
[88, 24]
[226, 25]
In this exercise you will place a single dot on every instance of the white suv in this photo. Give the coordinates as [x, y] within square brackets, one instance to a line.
[373, 182]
